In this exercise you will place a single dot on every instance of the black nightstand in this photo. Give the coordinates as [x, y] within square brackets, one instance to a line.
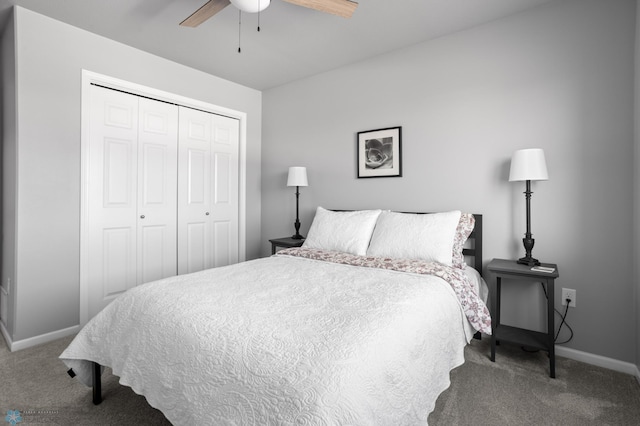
[287, 242]
[512, 270]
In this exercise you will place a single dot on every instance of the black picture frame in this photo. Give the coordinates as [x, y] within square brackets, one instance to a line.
[380, 153]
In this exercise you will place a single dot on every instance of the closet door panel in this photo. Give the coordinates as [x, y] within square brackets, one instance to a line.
[157, 188]
[111, 265]
[194, 191]
[154, 263]
[196, 244]
[119, 261]
[222, 242]
[207, 190]
[161, 192]
[197, 170]
[118, 174]
[222, 167]
[225, 189]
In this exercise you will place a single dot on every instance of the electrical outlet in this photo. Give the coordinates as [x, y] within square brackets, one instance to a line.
[569, 293]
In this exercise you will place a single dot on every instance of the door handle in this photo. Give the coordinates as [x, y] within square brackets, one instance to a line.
[141, 216]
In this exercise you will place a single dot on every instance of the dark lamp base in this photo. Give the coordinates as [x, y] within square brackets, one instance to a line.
[297, 237]
[530, 261]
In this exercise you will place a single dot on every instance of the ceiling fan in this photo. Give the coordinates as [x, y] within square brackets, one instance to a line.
[342, 8]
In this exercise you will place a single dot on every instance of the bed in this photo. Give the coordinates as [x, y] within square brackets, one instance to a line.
[361, 325]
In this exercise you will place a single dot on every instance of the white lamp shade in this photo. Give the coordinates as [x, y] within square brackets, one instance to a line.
[251, 6]
[528, 164]
[297, 176]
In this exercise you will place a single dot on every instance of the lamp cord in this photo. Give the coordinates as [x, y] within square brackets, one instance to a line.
[563, 322]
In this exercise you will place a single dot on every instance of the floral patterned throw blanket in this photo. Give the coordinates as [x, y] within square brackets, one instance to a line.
[474, 308]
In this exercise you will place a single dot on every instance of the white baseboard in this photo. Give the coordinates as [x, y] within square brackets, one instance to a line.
[38, 340]
[600, 361]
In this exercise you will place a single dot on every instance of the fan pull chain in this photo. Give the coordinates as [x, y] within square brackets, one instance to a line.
[239, 30]
[258, 15]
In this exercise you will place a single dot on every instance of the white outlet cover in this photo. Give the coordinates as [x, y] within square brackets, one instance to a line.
[568, 293]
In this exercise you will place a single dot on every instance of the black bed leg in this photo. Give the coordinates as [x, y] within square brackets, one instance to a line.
[97, 383]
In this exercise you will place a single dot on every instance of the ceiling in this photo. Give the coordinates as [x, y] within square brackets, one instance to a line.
[293, 43]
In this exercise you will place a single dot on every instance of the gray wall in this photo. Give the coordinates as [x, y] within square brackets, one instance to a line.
[8, 124]
[558, 77]
[50, 57]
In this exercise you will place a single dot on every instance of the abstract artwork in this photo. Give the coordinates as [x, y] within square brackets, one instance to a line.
[380, 153]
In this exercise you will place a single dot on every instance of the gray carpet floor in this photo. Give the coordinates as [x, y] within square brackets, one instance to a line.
[515, 390]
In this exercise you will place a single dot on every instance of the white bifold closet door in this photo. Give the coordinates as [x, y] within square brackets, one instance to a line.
[132, 193]
[208, 223]
[162, 197]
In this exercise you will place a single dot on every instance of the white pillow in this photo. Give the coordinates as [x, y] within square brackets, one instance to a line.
[347, 232]
[427, 237]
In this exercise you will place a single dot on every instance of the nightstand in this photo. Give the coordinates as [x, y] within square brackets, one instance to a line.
[286, 242]
[513, 271]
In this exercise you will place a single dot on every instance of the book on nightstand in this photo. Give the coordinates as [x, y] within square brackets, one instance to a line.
[543, 269]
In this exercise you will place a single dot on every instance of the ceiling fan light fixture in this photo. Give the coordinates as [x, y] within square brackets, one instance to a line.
[251, 6]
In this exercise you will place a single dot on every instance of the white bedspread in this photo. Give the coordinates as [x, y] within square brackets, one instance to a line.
[256, 344]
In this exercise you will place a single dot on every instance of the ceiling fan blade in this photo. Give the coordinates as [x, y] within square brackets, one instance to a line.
[209, 9]
[344, 8]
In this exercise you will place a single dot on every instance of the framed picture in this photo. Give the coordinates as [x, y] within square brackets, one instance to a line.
[380, 153]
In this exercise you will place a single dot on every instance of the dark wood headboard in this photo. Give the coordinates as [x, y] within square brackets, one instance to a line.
[475, 251]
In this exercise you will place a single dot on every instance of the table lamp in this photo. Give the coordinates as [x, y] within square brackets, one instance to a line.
[297, 177]
[528, 165]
